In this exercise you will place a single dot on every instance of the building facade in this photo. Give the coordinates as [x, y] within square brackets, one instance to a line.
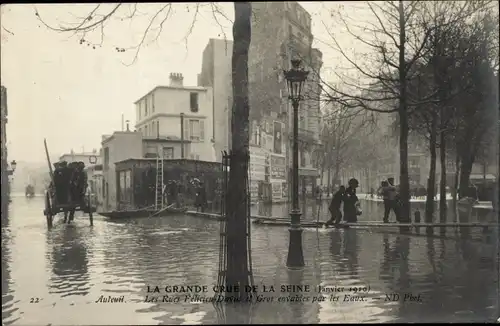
[281, 31]
[91, 158]
[119, 146]
[125, 145]
[179, 112]
[216, 72]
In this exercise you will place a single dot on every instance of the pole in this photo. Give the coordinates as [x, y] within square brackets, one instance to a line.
[48, 160]
[295, 259]
[182, 135]
[123, 122]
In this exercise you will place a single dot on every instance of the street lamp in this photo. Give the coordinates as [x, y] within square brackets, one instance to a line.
[295, 78]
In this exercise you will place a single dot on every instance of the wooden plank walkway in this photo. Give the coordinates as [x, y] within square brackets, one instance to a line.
[285, 221]
[378, 224]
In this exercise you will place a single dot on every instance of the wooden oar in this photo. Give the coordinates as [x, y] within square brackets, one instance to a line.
[161, 210]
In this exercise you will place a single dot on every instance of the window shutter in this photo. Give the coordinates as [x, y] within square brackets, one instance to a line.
[202, 130]
[187, 127]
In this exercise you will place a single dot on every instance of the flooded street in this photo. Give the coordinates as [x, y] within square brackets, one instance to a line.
[55, 277]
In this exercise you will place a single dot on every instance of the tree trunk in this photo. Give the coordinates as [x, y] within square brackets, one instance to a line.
[465, 171]
[237, 205]
[322, 173]
[329, 181]
[442, 186]
[456, 180]
[336, 172]
[431, 181]
[403, 120]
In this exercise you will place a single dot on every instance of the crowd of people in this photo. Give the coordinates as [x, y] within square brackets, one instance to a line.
[173, 193]
[69, 184]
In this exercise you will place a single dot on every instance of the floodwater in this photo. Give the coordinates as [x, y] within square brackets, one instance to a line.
[55, 277]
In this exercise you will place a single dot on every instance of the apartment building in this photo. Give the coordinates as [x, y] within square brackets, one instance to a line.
[178, 113]
[282, 31]
[216, 72]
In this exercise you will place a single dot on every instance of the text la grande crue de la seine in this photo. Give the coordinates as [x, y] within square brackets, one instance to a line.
[290, 288]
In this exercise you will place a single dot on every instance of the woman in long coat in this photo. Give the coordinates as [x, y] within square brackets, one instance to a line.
[351, 202]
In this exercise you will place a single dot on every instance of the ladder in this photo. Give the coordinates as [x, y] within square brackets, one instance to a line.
[159, 179]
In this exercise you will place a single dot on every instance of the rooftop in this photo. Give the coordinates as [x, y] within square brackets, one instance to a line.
[186, 88]
[164, 139]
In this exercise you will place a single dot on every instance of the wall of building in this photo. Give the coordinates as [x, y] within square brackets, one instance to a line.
[120, 146]
[151, 148]
[216, 72]
[165, 121]
[95, 184]
[282, 31]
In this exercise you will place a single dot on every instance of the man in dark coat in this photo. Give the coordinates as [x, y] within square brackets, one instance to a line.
[201, 197]
[334, 208]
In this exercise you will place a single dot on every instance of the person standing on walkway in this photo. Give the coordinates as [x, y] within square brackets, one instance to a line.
[334, 208]
[351, 202]
[389, 195]
[201, 197]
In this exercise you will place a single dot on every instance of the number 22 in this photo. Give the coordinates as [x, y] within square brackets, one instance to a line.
[34, 300]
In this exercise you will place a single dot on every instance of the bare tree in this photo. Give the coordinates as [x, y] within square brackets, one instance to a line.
[341, 133]
[396, 43]
[395, 47]
[95, 22]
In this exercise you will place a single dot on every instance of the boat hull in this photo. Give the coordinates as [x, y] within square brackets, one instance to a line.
[143, 213]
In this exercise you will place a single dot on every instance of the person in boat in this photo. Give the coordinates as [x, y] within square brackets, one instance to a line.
[61, 183]
[74, 188]
[334, 208]
[351, 202]
[81, 182]
[180, 193]
[172, 193]
[71, 172]
[201, 197]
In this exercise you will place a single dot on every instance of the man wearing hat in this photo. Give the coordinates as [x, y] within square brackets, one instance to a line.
[351, 202]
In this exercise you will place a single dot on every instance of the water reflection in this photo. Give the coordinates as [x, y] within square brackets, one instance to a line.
[395, 262]
[351, 251]
[68, 251]
[236, 314]
[344, 250]
[8, 303]
[297, 309]
[457, 279]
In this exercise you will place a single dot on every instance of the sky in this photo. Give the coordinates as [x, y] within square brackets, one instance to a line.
[72, 94]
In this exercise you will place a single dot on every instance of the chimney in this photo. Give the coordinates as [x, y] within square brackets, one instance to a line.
[176, 79]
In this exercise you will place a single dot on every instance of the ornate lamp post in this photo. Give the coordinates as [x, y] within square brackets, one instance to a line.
[295, 78]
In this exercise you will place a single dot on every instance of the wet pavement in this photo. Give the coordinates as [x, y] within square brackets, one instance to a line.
[55, 277]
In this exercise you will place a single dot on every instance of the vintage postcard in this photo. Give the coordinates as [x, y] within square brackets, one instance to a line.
[250, 162]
